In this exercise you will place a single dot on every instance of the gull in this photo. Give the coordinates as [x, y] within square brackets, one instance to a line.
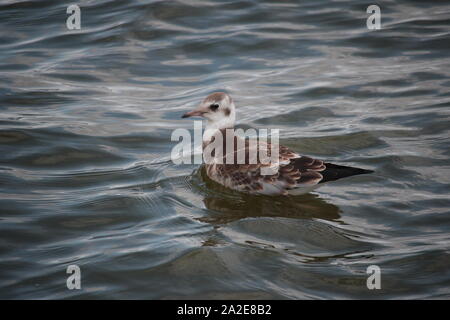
[294, 174]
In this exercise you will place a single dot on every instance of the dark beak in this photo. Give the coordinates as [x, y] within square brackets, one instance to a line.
[193, 113]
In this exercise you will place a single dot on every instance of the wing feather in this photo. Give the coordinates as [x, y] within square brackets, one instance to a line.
[293, 171]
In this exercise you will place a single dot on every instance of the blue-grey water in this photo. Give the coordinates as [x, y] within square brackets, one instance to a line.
[85, 171]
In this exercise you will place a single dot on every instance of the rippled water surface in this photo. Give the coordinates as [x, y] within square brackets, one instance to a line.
[85, 127]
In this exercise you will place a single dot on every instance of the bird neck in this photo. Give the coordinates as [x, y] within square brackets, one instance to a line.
[212, 126]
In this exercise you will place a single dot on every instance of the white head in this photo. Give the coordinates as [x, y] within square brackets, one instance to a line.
[218, 108]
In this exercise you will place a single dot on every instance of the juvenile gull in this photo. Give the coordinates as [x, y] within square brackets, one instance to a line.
[295, 174]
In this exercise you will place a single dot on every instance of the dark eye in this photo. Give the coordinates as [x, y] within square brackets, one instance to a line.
[214, 106]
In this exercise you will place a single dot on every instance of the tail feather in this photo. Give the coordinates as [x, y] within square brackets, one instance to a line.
[334, 172]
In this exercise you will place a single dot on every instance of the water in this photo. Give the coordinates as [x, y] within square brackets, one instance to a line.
[86, 120]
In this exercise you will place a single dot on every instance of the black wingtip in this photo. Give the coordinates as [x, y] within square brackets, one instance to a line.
[360, 171]
[335, 172]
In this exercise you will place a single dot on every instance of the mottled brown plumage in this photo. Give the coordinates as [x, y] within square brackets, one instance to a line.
[293, 174]
[294, 170]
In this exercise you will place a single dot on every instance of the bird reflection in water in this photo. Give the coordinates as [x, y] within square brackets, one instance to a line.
[227, 206]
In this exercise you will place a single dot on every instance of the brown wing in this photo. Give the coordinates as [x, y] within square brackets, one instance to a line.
[293, 171]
